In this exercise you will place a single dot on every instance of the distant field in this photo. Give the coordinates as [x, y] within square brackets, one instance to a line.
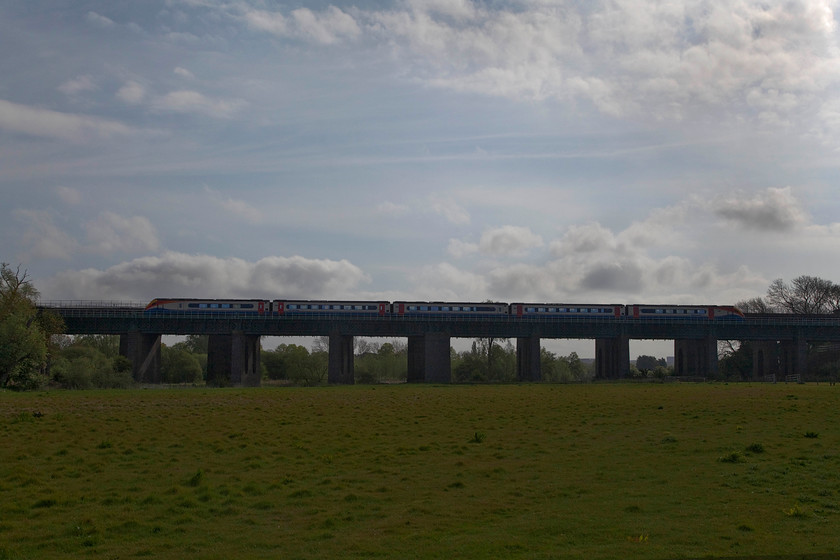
[407, 471]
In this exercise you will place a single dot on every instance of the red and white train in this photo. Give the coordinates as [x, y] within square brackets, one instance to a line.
[297, 308]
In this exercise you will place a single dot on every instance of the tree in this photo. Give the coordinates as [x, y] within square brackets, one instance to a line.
[109, 345]
[179, 366]
[755, 305]
[24, 332]
[650, 363]
[805, 295]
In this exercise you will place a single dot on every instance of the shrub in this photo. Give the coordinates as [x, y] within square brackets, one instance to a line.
[734, 457]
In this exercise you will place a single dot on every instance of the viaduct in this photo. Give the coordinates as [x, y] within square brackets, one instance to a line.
[780, 342]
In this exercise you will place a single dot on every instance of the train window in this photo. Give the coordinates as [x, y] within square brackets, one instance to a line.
[193, 305]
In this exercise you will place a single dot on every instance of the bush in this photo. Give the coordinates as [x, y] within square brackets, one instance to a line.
[179, 366]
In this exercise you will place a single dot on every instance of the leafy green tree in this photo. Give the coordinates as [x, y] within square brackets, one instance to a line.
[736, 363]
[179, 366]
[649, 363]
[83, 367]
[24, 332]
[109, 345]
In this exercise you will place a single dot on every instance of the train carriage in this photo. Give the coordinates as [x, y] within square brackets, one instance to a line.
[688, 312]
[448, 309]
[566, 310]
[314, 307]
[188, 305]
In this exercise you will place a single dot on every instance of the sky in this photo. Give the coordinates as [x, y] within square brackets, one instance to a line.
[615, 151]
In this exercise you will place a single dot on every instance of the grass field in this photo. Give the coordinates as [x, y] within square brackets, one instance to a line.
[407, 471]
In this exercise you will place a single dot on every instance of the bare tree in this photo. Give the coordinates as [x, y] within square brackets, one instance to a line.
[755, 305]
[804, 295]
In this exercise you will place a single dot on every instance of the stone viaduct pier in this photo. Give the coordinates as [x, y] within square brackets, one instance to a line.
[780, 342]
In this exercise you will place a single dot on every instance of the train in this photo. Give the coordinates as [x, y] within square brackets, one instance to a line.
[417, 309]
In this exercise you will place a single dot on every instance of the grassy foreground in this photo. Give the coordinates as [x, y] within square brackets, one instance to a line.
[516, 471]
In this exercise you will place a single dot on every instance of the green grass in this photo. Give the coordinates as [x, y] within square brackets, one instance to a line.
[519, 471]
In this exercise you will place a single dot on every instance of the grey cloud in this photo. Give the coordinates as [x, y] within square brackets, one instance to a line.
[626, 277]
[772, 210]
[181, 275]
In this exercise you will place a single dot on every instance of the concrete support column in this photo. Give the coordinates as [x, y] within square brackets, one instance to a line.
[612, 358]
[528, 364]
[143, 351]
[429, 358]
[695, 357]
[341, 371]
[793, 357]
[233, 360]
[765, 359]
[245, 360]
[711, 357]
[416, 359]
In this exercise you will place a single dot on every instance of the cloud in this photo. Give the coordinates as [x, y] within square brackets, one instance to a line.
[459, 249]
[203, 276]
[771, 210]
[69, 195]
[99, 20]
[111, 233]
[107, 234]
[187, 101]
[327, 27]
[509, 241]
[586, 238]
[670, 60]
[78, 85]
[42, 238]
[450, 210]
[445, 282]
[392, 208]
[132, 92]
[625, 277]
[183, 72]
[236, 207]
[53, 124]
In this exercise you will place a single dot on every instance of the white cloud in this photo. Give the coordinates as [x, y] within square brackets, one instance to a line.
[509, 241]
[187, 101]
[181, 275]
[42, 238]
[99, 20]
[53, 124]
[392, 209]
[667, 60]
[450, 210]
[326, 27]
[69, 195]
[459, 249]
[236, 207]
[183, 72]
[445, 282]
[132, 92]
[111, 233]
[78, 85]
